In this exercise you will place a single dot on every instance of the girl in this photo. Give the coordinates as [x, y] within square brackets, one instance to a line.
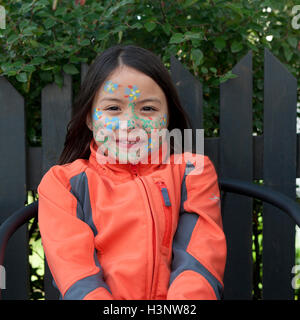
[114, 224]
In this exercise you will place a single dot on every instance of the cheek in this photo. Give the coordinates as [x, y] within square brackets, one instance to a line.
[104, 127]
[112, 123]
[163, 121]
[152, 123]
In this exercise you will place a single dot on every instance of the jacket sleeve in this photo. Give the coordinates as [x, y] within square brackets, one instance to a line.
[68, 241]
[199, 244]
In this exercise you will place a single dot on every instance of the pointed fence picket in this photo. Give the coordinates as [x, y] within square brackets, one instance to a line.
[236, 153]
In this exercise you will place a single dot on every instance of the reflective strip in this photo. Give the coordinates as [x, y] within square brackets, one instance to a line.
[188, 168]
[182, 260]
[55, 286]
[84, 286]
[80, 189]
[165, 195]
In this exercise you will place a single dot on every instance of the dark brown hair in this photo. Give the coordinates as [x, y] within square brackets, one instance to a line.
[79, 136]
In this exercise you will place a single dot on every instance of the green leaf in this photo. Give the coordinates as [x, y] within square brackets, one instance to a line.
[70, 69]
[112, 9]
[29, 31]
[197, 56]
[49, 23]
[120, 35]
[85, 42]
[33, 43]
[220, 43]
[29, 68]
[204, 70]
[11, 39]
[59, 80]
[212, 69]
[227, 76]
[11, 73]
[193, 35]
[176, 38]
[46, 76]
[47, 67]
[188, 3]
[137, 25]
[22, 77]
[288, 53]
[150, 26]
[167, 29]
[236, 46]
[38, 60]
[26, 7]
[293, 41]
[102, 35]
[60, 11]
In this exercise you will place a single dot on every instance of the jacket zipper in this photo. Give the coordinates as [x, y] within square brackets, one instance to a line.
[168, 214]
[134, 170]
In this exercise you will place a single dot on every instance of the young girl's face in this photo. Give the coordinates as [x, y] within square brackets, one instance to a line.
[129, 106]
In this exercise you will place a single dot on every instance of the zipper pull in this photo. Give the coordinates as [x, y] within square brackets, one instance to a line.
[164, 192]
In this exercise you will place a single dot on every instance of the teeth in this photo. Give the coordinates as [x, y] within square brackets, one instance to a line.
[127, 142]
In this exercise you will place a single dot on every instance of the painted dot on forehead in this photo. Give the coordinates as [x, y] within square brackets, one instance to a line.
[132, 92]
[110, 87]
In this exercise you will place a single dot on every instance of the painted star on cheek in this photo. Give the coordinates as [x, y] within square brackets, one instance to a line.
[163, 120]
[97, 114]
[112, 123]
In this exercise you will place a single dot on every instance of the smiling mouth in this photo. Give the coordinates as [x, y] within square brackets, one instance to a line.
[129, 143]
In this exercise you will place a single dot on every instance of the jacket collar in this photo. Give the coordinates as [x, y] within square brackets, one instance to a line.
[127, 169]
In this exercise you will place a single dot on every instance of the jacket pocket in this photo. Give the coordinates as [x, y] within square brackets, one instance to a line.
[167, 212]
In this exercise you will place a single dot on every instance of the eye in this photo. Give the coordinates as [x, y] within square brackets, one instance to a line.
[148, 108]
[113, 108]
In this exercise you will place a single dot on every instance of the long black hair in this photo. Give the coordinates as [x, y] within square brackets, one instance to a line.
[79, 136]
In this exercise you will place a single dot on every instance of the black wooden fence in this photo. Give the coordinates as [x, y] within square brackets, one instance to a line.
[236, 153]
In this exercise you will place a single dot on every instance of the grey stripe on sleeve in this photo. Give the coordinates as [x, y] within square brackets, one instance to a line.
[182, 260]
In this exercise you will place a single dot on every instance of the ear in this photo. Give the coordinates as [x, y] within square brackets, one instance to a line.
[89, 121]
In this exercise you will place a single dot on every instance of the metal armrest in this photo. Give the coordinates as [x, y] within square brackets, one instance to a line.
[13, 222]
[264, 193]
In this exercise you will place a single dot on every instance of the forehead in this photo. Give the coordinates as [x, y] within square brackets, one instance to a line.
[125, 77]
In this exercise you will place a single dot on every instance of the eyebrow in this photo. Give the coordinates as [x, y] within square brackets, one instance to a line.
[150, 99]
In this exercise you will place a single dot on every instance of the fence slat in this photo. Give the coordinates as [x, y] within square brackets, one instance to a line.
[280, 100]
[84, 71]
[190, 92]
[13, 187]
[34, 167]
[56, 114]
[236, 161]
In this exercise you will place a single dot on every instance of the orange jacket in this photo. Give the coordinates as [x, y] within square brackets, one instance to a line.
[123, 231]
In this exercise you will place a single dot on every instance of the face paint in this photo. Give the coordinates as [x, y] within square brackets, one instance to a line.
[163, 120]
[132, 92]
[112, 123]
[97, 114]
[110, 87]
[106, 125]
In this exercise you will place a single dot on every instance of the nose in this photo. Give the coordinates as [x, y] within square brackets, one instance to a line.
[130, 119]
